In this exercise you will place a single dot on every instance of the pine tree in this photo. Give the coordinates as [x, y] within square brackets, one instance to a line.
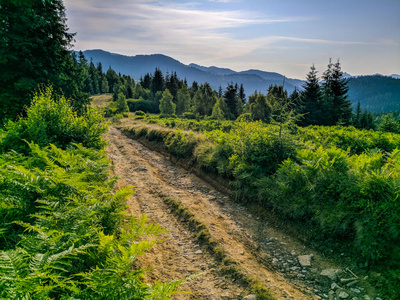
[232, 101]
[167, 107]
[183, 102]
[172, 84]
[112, 79]
[34, 49]
[217, 111]
[157, 82]
[242, 95]
[193, 89]
[94, 77]
[220, 92]
[104, 85]
[357, 116]
[122, 106]
[145, 82]
[311, 100]
[204, 100]
[260, 108]
[336, 105]
[342, 107]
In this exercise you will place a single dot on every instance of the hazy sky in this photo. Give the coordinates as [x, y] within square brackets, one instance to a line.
[284, 36]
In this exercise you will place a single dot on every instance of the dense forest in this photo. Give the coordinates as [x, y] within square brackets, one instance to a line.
[376, 93]
[64, 235]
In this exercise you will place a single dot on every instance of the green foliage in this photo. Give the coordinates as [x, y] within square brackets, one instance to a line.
[341, 181]
[189, 115]
[50, 120]
[261, 109]
[35, 50]
[167, 107]
[358, 141]
[217, 111]
[141, 105]
[388, 124]
[64, 231]
[248, 152]
[140, 113]
[121, 104]
[180, 144]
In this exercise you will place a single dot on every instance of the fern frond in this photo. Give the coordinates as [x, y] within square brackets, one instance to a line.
[13, 264]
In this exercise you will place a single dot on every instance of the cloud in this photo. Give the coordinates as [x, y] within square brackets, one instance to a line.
[149, 27]
[185, 32]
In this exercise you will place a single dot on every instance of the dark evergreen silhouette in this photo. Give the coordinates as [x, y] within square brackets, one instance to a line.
[337, 108]
[232, 101]
[35, 49]
[311, 100]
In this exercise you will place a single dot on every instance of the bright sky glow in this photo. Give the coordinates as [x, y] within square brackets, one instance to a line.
[284, 36]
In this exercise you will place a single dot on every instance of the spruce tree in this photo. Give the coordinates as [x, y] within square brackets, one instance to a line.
[183, 102]
[260, 108]
[167, 107]
[157, 82]
[94, 77]
[232, 101]
[217, 111]
[242, 95]
[104, 85]
[336, 105]
[122, 106]
[34, 49]
[342, 107]
[357, 116]
[311, 100]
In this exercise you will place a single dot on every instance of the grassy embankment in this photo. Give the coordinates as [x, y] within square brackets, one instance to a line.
[341, 182]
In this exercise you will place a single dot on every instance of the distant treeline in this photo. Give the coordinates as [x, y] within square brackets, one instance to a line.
[320, 103]
[375, 93]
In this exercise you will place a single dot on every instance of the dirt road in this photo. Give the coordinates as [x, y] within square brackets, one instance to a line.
[259, 248]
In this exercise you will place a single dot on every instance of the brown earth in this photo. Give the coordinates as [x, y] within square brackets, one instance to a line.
[261, 249]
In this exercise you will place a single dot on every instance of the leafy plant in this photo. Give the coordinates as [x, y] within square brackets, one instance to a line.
[50, 120]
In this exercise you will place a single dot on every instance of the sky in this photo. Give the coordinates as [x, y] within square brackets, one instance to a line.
[284, 36]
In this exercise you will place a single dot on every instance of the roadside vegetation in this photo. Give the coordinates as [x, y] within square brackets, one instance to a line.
[340, 181]
[64, 232]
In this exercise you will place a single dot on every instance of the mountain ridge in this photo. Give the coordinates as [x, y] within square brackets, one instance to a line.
[376, 92]
[139, 65]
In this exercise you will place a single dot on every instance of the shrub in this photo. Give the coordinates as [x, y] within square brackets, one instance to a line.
[142, 105]
[180, 144]
[140, 113]
[189, 116]
[51, 121]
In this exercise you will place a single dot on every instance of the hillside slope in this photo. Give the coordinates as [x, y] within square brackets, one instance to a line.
[137, 66]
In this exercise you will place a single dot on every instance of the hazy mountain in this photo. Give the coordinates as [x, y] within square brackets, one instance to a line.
[213, 70]
[139, 65]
